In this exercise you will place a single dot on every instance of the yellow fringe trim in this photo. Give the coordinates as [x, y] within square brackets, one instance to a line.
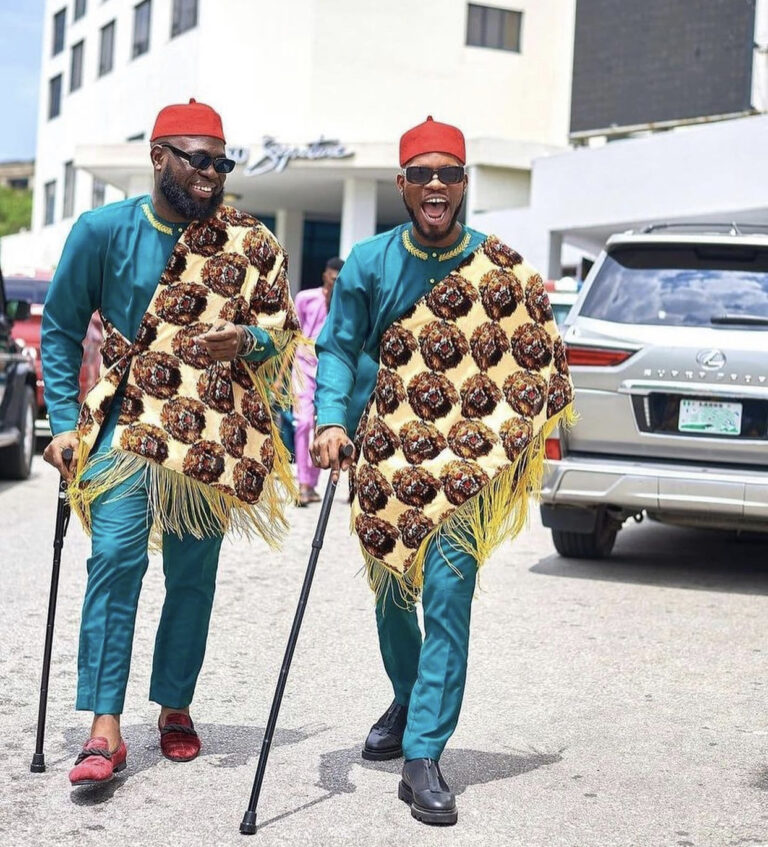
[275, 372]
[497, 513]
[177, 503]
[182, 505]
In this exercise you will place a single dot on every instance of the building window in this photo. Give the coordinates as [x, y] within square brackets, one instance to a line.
[50, 201]
[107, 48]
[20, 183]
[141, 21]
[79, 9]
[59, 24]
[184, 16]
[488, 26]
[69, 190]
[98, 193]
[54, 97]
[76, 67]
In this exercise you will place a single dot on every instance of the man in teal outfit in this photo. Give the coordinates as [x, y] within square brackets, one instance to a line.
[441, 355]
[113, 261]
[382, 278]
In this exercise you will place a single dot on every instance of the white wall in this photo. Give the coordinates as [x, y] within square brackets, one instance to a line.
[380, 67]
[116, 106]
[358, 70]
[497, 188]
[706, 172]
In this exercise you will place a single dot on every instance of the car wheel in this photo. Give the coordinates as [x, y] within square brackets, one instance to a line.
[16, 460]
[597, 544]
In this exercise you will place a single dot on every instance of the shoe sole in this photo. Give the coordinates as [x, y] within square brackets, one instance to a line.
[117, 769]
[381, 755]
[181, 758]
[446, 818]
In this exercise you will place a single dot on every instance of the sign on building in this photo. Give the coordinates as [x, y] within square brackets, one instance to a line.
[274, 156]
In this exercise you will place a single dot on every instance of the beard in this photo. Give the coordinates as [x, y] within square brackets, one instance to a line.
[438, 236]
[187, 206]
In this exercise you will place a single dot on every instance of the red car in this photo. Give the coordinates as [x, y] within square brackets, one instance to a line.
[27, 336]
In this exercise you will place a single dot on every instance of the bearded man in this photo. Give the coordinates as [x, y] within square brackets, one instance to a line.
[471, 378]
[175, 442]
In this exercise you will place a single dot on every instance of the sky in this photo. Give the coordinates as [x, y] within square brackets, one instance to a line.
[21, 27]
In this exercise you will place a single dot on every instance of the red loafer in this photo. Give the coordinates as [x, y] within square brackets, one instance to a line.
[178, 740]
[96, 764]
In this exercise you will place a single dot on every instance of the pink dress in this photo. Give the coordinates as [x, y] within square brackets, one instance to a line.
[312, 312]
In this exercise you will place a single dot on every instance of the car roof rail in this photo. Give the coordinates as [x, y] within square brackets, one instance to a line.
[730, 228]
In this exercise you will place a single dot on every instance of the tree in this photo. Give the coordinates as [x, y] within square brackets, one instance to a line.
[15, 209]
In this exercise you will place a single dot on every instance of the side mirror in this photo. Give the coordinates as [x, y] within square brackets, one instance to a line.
[18, 310]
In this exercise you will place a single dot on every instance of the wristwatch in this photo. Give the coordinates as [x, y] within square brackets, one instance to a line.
[247, 342]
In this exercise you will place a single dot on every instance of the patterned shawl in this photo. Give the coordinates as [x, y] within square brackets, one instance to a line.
[472, 380]
[200, 431]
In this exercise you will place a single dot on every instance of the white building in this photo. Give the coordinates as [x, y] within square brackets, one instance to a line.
[355, 73]
[705, 169]
[715, 172]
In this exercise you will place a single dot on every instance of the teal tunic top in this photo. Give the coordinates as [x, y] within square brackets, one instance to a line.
[112, 260]
[379, 282]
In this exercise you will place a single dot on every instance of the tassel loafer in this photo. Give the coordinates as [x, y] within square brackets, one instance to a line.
[179, 742]
[96, 763]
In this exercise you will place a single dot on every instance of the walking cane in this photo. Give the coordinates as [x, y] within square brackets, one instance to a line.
[62, 521]
[248, 824]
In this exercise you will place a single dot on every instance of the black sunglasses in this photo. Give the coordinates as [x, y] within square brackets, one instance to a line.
[422, 175]
[202, 161]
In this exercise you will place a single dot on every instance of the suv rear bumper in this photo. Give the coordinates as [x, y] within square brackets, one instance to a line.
[666, 490]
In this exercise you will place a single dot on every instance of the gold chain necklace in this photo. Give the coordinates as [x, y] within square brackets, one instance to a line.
[167, 230]
[442, 257]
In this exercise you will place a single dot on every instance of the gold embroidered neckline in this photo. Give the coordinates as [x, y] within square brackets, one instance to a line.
[441, 257]
[149, 215]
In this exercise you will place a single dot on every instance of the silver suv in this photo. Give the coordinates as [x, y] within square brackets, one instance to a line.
[668, 348]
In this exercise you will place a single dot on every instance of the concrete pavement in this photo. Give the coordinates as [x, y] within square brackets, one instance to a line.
[610, 704]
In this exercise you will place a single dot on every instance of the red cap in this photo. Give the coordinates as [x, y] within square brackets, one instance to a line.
[432, 137]
[191, 118]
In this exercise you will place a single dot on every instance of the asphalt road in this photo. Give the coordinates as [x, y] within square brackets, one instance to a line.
[608, 704]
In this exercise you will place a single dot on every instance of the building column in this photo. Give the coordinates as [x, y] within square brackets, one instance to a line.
[470, 198]
[554, 262]
[760, 58]
[358, 213]
[289, 230]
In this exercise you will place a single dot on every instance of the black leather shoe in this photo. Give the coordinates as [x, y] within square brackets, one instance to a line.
[427, 793]
[385, 740]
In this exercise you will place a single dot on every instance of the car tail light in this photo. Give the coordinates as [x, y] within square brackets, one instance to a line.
[596, 357]
[552, 449]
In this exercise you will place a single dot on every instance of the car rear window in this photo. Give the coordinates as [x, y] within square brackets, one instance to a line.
[31, 290]
[695, 285]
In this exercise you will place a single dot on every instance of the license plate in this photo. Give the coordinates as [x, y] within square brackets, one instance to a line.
[709, 417]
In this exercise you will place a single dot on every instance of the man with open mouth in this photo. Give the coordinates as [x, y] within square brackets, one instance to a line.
[427, 519]
[164, 261]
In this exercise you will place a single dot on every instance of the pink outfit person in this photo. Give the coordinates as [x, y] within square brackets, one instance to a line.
[312, 309]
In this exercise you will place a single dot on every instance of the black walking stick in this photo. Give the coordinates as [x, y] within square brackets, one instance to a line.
[62, 521]
[248, 824]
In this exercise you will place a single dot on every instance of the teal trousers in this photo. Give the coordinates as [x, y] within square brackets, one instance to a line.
[428, 675]
[121, 521]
